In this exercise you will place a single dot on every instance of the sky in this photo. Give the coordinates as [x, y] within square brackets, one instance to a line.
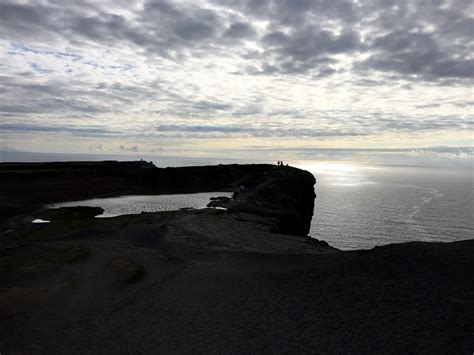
[240, 78]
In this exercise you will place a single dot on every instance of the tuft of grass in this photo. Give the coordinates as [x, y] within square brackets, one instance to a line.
[126, 269]
[71, 213]
[35, 260]
[73, 253]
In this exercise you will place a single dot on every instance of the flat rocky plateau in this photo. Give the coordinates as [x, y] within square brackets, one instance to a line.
[241, 280]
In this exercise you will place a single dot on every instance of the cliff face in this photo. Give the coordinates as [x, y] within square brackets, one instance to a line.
[285, 194]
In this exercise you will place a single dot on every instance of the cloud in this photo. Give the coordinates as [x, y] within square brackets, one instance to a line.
[25, 20]
[292, 69]
[451, 154]
[417, 55]
[305, 49]
[411, 39]
[96, 147]
[79, 131]
[208, 131]
[133, 148]
[429, 40]
[240, 30]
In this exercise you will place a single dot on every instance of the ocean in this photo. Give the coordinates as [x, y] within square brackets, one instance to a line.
[359, 205]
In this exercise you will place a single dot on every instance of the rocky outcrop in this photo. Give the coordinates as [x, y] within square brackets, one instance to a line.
[283, 193]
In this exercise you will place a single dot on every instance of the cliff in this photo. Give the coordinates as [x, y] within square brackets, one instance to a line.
[283, 193]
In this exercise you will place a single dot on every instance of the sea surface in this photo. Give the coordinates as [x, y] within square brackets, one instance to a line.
[363, 205]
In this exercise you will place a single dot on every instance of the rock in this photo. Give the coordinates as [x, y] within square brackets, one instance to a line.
[216, 201]
[319, 243]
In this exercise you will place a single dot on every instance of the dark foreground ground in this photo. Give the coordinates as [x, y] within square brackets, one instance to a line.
[213, 281]
[123, 293]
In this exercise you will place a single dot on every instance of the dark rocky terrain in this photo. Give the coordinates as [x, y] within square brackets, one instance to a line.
[241, 280]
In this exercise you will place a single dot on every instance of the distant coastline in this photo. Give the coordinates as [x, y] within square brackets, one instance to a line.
[383, 157]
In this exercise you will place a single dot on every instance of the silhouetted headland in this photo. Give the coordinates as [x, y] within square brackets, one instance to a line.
[241, 278]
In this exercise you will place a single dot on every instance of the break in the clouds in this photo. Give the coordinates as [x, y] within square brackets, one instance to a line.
[217, 73]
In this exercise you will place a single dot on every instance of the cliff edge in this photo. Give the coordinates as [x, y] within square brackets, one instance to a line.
[285, 194]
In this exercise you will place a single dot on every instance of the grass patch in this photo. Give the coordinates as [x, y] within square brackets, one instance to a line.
[126, 269]
[73, 253]
[71, 213]
[34, 261]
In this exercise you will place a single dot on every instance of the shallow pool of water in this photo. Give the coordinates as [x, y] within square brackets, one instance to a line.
[135, 204]
[39, 220]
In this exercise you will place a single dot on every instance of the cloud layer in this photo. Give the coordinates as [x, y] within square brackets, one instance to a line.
[279, 72]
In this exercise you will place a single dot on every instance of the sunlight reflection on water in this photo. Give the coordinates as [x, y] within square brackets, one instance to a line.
[340, 173]
[359, 206]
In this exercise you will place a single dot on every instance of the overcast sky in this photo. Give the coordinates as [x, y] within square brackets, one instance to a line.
[203, 77]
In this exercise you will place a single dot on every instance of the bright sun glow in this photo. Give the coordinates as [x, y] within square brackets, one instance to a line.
[339, 173]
